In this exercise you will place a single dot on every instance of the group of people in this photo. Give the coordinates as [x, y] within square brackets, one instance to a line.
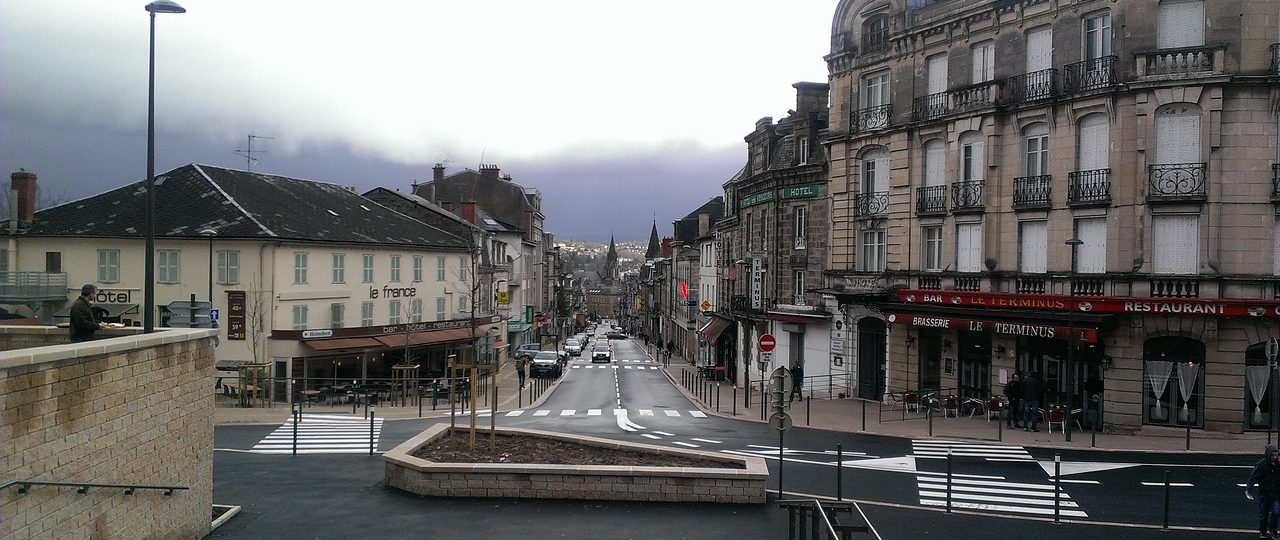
[1023, 393]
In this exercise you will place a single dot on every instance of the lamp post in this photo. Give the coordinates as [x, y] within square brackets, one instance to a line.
[149, 296]
[1071, 332]
[210, 233]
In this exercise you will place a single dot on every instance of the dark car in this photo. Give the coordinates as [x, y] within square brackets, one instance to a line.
[614, 334]
[545, 364]
[602, 352]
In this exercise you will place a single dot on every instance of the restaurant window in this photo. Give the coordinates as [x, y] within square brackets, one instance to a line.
[339, 268]
[299, 268]
[366, 314]
[168, 269]
[1257, 387]
[367, 268]
[1173, 382]
[299, 317]
[932, 249]
[415, 310]
[395, 268]
[393, 312]
[440, 268]
[417, 268]
[440, 308]
[228, 267]
[337, 312]
[108, 265]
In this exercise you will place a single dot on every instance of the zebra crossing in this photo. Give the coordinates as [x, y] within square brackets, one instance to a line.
[613, 367]
[583, 413]
[988, 493]
[322, 434]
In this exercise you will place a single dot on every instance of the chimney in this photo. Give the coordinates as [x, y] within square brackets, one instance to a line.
[437, 172]
[506, 177]
[811, 97]
[489, 171]
[22, 196]
[469, 211]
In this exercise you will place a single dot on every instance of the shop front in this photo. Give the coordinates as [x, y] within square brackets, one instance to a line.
[716, 341]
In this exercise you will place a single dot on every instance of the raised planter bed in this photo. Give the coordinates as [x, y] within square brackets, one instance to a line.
[739, 479]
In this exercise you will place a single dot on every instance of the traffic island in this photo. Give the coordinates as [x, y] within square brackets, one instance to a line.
[615, 470]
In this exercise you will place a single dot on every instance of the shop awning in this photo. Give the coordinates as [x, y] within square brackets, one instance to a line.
[431, 337]
[343, 343]
[795, 317]
[517, 327]
[1085, 326]
[713, 328]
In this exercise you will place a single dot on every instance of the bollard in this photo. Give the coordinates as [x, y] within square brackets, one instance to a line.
[780, 460]
[948, 480]
[371, 431]
[1166, 501]
[1057, 489]
[1000, 425]
[735, 400]
[864, 415]
[717, 396]
[1188, 434]
[419, 390]
[839, 472]
[929, 413]
[297, 417]
[808, 408]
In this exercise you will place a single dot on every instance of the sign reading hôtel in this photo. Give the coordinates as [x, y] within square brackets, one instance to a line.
[1218, 307]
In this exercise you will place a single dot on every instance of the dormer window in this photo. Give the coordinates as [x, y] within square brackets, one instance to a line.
[875, 34]
[802, 150]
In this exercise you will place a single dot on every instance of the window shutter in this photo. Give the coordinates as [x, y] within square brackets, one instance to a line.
[969, 247]
[1175, 244]
[935, 163]
[1181, 24]
[1039, 49]
[938, 74]
[1033, 248]
[1091, 256]
[882, 173]
[1095, 143]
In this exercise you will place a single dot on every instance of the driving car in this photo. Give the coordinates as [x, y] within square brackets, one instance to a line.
[602, 352]
[527, 350]
[545, 363]
[573, 347]
[613, 334]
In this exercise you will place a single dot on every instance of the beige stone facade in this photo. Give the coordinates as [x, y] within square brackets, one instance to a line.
[133, 409]
[1156, 146]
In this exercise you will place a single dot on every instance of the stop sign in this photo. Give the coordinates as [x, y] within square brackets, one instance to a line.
[767, 343]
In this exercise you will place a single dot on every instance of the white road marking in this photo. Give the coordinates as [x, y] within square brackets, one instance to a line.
[516, 413]
[993, 498]
[593, 412]
[542, 412]
[672, 412]
[1000, 508]
[646, 412]
[698, 414]
[568, 412]
[708, 441]
[665, 433]
[1079, 481]
[650, 436]
[619, 412]
[1171, 484]
[685, 444]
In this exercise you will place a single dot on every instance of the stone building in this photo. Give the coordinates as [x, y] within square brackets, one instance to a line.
[970, 140]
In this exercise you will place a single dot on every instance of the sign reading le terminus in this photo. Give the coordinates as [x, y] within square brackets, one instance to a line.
[1218, 307]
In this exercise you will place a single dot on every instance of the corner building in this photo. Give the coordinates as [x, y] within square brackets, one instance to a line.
[970, 140]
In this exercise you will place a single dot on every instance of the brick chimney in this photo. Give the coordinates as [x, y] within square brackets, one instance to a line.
[469, 211]
[489, 171]
[811, 97]
[22, 196]
[437, 172]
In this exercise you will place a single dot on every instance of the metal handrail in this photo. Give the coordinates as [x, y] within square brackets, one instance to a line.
[83, 487]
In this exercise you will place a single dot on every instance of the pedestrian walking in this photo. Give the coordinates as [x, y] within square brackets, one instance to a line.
[1031, 402]
[797, 383]
[1013, 393]
[1266, 476]
[83, 324]
[520, 370]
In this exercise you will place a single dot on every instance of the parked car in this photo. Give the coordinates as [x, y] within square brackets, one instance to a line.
[527, 350]
[602, 352]
[545, 363]
[614, 334]
[573, 347]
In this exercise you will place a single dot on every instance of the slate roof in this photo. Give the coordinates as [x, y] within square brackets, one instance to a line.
[238, 205]
[686, 228]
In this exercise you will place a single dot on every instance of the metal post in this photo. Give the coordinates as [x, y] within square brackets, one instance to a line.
[864, 415]
[808, 408]
[948, 479]
[780, 460]
[1000, 425]
[928, 413]
[371, 411]
[735, 400]
[419, 391]
[1071, 333]
[717, 396]
[297, 418]
[1188, 434]
[839, 472]
[1166, 501]
[1057, 489]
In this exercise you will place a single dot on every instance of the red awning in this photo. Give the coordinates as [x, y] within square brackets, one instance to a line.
[343, 343]
[713, 329]
[1084, 331]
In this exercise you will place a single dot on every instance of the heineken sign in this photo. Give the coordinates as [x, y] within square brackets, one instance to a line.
[800, 192]
[756, 198]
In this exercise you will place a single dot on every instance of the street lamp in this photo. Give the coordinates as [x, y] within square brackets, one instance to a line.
[149, 296]
[1071, 332]
[210, 233]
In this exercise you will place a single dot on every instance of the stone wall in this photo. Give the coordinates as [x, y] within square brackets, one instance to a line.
[125, 410]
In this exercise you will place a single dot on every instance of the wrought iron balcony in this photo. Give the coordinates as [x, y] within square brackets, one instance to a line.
[1033, 86]
[1032, 191]
[1181, 62]
[1275, 181]
[931, 200]
[872, 204]
[872, 118]
[1092, 74]
[929, 107]
[966, 195]
[973, 97]
[1089, 187]
[20, 287]
[742, 304]
[1177, 181]
[1275, 58]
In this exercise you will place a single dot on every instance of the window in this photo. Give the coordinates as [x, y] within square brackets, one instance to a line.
[464, 303]
[393, 312]
[299, 317]
[337, 312]
[417, 268]
[971, 156]
[875, 93]
[440, 268]
[801, 224]
[463, 273]
[339, 268]
[395, 268]
[873, 251]
[53, 262]
[932, 249]
[935, 163]
[802, 150]
[108, 265]
[366, 265]
[750, 237]
[937, 69]
[1039, 50]
[1097, 35]
[969, 247]
[228, 267]
[1178, 134]
[1175, 244]
[984, 62]
[1091, 256]
[167, 267]
[415, 310]
[366, 313]
[1094, 143]
[1173, 381]
[1033, 246]
[875, 33]
[1181, 24]
[440, 309]
[299, 268]
[764, 232]
[875, 172]
[798, 291]
[1036, 145]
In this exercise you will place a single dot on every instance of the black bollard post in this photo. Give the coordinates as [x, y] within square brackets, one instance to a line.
[717, 397]
[419, 390]
[371, 431]
[948, 480]
[1188, 434]
[1166, 501]
[1000, 424]
[297, 417]
[735, 400]
[1057, 489]
[808, 408]
[839, 472]
[781, 459]
[864, 415]
[929, 413]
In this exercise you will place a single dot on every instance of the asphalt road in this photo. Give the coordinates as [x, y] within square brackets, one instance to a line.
[904, 482]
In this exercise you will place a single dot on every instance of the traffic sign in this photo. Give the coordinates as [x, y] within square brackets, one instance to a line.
[706, 305]
[767, 343]
[184, 321]
[684, 290]
[215, 314]
[184, 305]
[1273, 348]
[780, 421]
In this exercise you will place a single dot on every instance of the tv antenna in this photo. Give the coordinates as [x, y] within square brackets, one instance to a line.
[248, 154]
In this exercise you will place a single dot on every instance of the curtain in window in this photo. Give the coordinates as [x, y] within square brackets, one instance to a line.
[1257, 378]
[1158, 372]
[1187, 373]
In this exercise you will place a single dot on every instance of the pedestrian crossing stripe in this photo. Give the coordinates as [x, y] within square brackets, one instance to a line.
[988, 494]
[323, 434]
[567, 412]
[593, 412]
[516, 413]
[698, 414]
[646, 412]
[578, 413]
[671, 412]
[542, 412]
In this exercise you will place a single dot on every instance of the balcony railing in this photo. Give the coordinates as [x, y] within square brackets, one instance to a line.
[1275, 58]
[1180, 62]
[18, 287]
[929, 107]
[1032, 191]
[1088, 286]
[1275, 181]
[1033, 86]
[873, 204]
[977, 96]
[875, 41]
[1092, 74]
[966, 195]
[1177, 181]
[872, 118]
[931, 199]
[969, 283]
[1089, 187]
[1030, 285]
[1175, 287]
[742, 304]
[931, 283]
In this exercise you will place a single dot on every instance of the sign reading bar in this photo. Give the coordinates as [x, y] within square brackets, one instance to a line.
[1087, 335]
[800, 192]
[1217, 307]
[235, 315]
[755, 198]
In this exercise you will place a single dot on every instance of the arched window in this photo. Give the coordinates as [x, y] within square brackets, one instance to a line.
[875, 33]
[1257, 387]
[1035, 145]
[1173, 382]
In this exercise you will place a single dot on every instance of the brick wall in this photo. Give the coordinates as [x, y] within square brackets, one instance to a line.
[128, 410]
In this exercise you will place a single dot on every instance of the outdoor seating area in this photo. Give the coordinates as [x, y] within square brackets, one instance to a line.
[948, 403]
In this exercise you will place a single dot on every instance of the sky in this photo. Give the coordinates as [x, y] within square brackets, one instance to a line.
[618, 113]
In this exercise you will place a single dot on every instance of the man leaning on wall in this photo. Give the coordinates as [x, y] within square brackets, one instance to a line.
[83, 323]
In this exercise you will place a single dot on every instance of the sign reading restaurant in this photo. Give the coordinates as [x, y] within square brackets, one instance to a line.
[1219, 307]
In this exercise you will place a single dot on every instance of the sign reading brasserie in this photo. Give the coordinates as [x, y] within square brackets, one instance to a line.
[1087, 335]
[1219, 307]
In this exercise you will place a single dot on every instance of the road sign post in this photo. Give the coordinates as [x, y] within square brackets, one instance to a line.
[1272, 350]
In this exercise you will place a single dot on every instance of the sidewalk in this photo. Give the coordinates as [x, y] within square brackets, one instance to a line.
[861, 416]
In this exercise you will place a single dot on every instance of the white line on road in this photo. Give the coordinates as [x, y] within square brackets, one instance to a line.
[1082, 482]
[698, 414]
[671, 412]
[665, 433]
[568, 412]
[593, 412]
[1170, 484]
[646, 412]
[650, 436]
[991, 498]
[515, 413]
[1002, 508]
[685, 444]
[541, 412]
[708, 441]
[619, 412]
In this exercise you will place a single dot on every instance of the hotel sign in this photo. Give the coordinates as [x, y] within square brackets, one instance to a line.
[755, 198]
[1217, 307]
[1084, 334]
[800, 192]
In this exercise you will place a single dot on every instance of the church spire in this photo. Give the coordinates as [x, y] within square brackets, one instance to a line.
[655, 245]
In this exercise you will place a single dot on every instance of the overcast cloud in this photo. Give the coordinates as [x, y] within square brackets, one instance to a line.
[618, 113]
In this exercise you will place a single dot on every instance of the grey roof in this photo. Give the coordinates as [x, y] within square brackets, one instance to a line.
[238, 205]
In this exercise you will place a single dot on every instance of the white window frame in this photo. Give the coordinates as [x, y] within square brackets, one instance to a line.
[1175, 249]
[300, 317]
[874, 250]
[417, 268]
[1035, 144]
[366, 268]
[1095, 35]
[935, 163]
[337, 314]
[876, 89]
[464, 272]
[798, 290]
[969, 247]
[108, 265]
[299, 268]
[972, 157]
[440, 268]
[339, 267]
[1088, 128]
[441, 308]
[1091, 256]
[1033, 247]
[168, 266]
[932, 258]
[366, 314]
[228, 267]
[393, 312]
[801, 224]
[395, 269]
[802, 147]
[984, 62]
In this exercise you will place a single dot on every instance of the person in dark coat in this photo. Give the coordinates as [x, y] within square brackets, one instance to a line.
[1266, 476]
[797, 383]
[83, 323]
[1013, 393]
[1031, 390]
